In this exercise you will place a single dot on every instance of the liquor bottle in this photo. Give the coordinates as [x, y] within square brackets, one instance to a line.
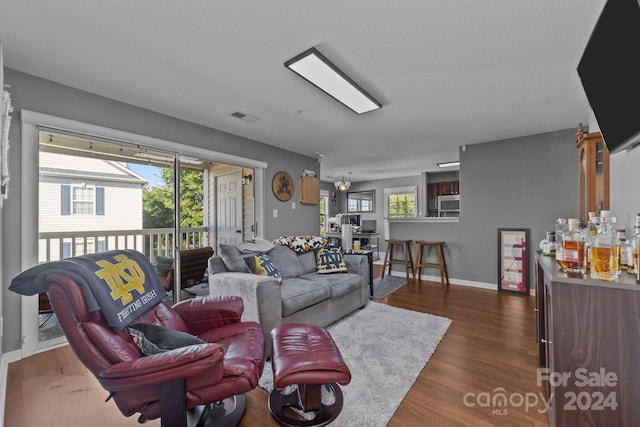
[603, 247]
[621, 251]
[590, 230]
[616, 246]
[548, 244]
[632, 246]
[573, 243]
[561, 228]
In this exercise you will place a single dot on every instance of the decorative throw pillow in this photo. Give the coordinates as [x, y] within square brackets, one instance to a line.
[163, 265]
[154, 339]
[301, 244]
[233, 259]
[329, 260]
[263, 266]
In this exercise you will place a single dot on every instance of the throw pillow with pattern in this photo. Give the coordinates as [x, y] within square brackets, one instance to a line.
[302, 244]
[263, 266]
[330, 260]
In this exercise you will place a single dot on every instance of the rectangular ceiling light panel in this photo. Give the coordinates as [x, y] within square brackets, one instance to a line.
[319, 71]
[449, 164]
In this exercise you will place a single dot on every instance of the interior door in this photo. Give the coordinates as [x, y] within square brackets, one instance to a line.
[229, 208]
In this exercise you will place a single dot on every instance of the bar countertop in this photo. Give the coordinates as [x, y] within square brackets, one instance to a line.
[552, 270]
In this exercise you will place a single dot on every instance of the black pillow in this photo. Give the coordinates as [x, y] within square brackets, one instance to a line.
[154, 339]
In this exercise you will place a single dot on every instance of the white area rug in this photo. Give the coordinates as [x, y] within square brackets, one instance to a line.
[385, 348]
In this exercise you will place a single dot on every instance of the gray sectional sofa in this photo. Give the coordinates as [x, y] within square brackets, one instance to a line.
[302, 296]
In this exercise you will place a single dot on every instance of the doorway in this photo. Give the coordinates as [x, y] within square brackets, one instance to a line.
[88, 196]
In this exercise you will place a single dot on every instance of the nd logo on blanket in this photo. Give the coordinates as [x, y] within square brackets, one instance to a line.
[128, 286]
[121, 283]
[123, 278]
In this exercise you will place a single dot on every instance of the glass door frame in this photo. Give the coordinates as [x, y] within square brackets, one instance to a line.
[31, 122]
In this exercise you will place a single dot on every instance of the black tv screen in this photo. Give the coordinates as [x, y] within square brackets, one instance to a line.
[610, 75]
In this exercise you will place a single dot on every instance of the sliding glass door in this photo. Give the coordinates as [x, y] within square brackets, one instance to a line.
[97, 195]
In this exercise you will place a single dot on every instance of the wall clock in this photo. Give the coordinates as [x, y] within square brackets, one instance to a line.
[282, 186]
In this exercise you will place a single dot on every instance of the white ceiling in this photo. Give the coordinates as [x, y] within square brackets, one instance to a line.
[448, 72]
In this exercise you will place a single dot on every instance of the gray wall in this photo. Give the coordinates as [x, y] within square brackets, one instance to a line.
[524, 182]
[625, 181]
[42, 96]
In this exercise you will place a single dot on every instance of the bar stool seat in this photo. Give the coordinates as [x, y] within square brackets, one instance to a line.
[440, 265]
[406, 260]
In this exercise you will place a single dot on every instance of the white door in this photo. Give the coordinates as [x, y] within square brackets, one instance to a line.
[229, 208]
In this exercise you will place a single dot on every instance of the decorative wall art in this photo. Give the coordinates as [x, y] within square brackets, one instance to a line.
[282, 186]
[513, 260]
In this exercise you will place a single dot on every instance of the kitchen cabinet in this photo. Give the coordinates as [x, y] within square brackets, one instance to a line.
[588, 347]
[435, 189]
[448, 188]
[309, 190]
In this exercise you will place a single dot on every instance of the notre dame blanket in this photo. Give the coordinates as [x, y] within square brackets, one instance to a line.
[121, 283]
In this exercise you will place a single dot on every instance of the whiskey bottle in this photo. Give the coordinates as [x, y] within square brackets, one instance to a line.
[548, 244]
[621, 249]
[573, 244]
[603, 251]
[632, 246]
[561, 228]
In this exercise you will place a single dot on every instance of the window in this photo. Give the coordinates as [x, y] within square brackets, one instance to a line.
[401, 202]
[324, 206]
[361, 201]
[82, 200]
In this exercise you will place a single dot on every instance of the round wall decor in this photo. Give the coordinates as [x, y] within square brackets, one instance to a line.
[282, 186]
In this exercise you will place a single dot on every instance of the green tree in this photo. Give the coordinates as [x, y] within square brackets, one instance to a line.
[158, 202]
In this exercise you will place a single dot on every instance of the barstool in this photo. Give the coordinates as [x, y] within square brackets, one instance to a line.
[407, 259]
[440, 265]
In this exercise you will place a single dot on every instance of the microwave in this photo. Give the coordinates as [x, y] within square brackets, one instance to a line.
[449, 205]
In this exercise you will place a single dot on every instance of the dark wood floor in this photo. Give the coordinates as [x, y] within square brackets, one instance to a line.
[489, 349]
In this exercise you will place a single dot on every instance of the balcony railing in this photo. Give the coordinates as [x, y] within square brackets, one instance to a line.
[54, 246]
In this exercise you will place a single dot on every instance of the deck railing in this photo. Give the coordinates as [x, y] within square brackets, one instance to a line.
[152, 242]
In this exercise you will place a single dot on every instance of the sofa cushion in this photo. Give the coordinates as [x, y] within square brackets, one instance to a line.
[217, 265]
[287, 262]
[307, 262]
[298, 294]
[234, 259]
[263, 265]
[329, 260]
[338, 284]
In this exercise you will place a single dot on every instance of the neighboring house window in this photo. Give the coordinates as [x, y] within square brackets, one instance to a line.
[82, 200]
[401, 202]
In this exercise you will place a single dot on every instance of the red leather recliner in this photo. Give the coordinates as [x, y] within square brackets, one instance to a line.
[184, 385]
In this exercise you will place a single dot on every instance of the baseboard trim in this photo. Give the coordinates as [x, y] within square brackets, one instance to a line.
[452, 281]
[470, 283]
[12, 356]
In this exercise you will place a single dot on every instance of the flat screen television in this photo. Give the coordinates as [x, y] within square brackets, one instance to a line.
[610, 76]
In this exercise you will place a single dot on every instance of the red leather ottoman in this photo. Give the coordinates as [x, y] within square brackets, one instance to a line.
[306, 356]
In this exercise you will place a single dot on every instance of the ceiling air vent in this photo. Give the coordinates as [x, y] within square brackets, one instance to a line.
[243, 116]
